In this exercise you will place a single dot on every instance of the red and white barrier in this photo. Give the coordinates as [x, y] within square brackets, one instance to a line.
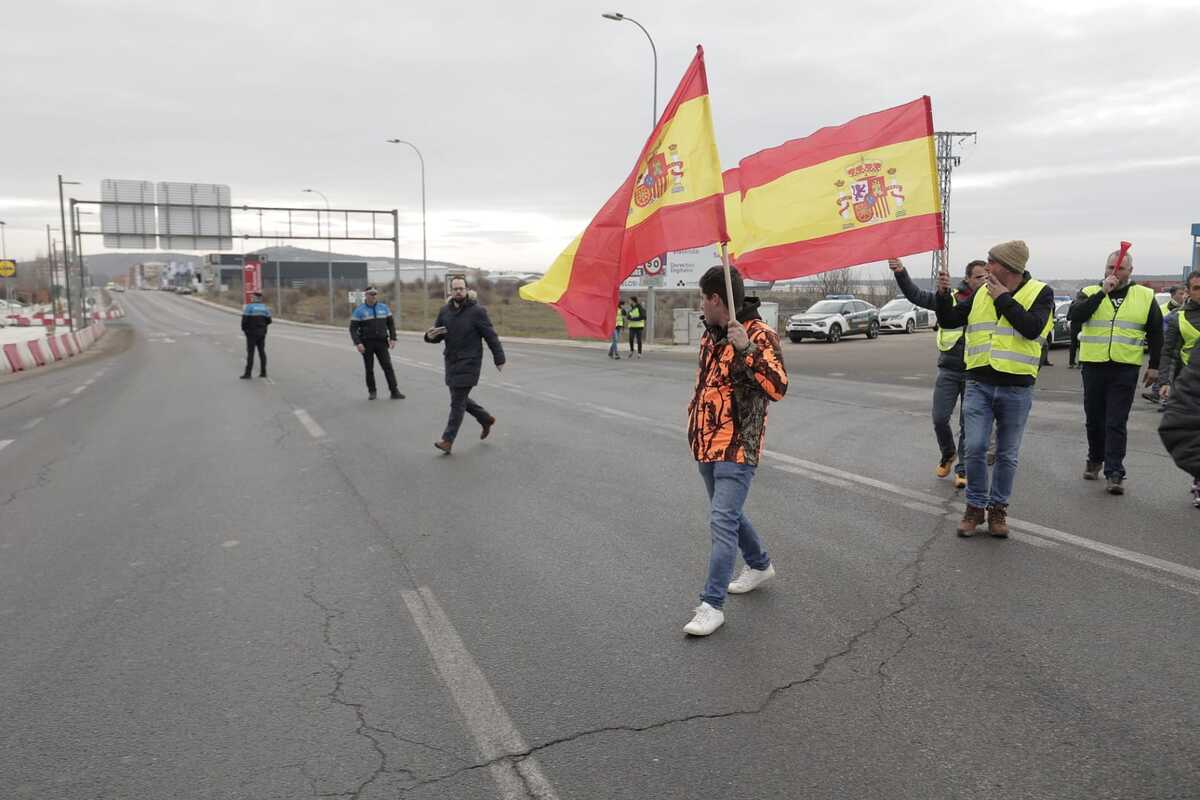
[23, 349]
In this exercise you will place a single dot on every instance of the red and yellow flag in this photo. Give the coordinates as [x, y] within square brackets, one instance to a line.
[732, 181]
[860, 192]
[672, 200]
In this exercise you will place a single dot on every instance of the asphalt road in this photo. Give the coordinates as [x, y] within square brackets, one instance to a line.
[214, 588]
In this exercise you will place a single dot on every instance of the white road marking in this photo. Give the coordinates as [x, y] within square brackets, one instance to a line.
[230, 543]
[79, 389]
[558, 397]
[850, 476]
[905, 378]
[309, 423]
[837, 374]
[1107, 549]
[488, 722]
[33, 423]
[5, 443]
[61, 402]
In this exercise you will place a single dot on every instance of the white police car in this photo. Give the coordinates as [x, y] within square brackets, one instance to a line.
[836, 316]
[902, 315]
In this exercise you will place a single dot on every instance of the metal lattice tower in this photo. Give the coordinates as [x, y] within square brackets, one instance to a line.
[946, 162]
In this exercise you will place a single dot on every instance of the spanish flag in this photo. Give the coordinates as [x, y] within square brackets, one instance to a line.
[733, 210]
[860, 192]
[672, 200]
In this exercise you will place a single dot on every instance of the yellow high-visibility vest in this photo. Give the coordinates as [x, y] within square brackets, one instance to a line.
[637, 317]
[994, 342]
[620, 317]
[948, 337]
[1190, 334]
[1116, 334]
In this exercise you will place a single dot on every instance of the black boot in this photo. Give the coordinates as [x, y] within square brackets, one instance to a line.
[245, 375]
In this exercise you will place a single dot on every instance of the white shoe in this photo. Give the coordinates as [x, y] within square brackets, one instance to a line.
[751, 579]
[707, 620]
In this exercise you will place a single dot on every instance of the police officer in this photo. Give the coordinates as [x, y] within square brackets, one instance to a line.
[373, 331]
[1114, 317]
[255, 319]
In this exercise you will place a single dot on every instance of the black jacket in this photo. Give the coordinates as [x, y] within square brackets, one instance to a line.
[255, 319]
[951, 359]
[1083, 307]
[1173, 341]
[1027, 323]
[1180, 425]
[372, 322]
[467, 327]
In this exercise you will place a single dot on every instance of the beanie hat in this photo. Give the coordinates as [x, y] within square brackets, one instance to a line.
[1011, 255]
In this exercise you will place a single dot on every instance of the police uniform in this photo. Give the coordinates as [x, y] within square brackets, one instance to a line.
[373, 327]
[255, 319]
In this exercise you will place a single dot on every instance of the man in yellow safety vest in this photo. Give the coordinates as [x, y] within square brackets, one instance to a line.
[1179, 351]
[1115, 318]
[1005, 328]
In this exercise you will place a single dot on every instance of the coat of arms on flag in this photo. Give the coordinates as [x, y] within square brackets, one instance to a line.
[869, 191]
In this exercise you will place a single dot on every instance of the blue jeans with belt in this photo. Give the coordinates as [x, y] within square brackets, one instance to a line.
[1006, 407]
[727, 485]
[616, 343]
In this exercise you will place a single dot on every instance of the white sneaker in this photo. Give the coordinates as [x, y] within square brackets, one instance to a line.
[751, 579]
[707, 620]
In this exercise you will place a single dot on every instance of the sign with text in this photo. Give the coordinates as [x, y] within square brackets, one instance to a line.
[8, 268]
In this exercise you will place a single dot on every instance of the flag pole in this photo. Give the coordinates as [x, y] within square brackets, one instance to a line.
[728, 281]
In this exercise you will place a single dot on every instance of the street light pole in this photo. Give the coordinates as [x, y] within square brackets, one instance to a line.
[62, 214]
[50, 264]
[328, 243]
[4, 254]
[424, 252]
[618, 17]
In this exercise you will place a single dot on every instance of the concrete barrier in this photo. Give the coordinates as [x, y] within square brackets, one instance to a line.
[25, 348]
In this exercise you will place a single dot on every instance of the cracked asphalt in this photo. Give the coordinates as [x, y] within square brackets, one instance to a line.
[200, 599]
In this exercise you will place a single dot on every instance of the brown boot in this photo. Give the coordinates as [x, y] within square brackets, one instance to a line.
[972, 518]
[443, 445]
[487, 427]
[997, 518]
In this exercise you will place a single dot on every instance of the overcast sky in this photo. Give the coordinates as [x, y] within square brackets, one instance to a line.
[530, 114]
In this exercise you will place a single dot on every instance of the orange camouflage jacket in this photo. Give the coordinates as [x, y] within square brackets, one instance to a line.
[728, 413]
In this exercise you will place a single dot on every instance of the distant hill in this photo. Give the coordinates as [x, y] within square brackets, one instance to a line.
[109, 265]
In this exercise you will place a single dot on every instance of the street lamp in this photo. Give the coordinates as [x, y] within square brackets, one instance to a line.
[62, 214]
[424, 256]
[618, 17]
[4, 254]
[328, 242]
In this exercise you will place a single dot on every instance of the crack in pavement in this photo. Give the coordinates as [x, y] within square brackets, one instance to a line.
[41, 477]
[906, 600]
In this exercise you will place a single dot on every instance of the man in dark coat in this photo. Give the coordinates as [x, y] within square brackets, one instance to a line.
[463, 325]
[1180, 426]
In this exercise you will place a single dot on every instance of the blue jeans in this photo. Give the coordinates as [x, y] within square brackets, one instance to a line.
[727, 485]
[947, 393]
[616, 343]
[1008, 408]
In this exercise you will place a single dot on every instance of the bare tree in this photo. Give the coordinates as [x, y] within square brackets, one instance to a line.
[838, 281]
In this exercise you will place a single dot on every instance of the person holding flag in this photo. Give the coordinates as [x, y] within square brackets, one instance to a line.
[741, 370]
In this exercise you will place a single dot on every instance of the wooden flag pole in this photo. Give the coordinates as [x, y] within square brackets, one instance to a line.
[728, 281]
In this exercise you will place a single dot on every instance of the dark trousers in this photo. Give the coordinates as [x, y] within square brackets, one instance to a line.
[947, 393]
[460, 402]
[1108, 391]
[259, 343]
[373, 349]
[1074, 351]
[635, 335]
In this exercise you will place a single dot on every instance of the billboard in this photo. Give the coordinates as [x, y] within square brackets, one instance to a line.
[678, 269]
[183, 224]
[251, 277]
[127, 225]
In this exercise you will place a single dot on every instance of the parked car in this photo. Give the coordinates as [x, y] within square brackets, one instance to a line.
[1061, 332]
[831, 319]
[902, 315]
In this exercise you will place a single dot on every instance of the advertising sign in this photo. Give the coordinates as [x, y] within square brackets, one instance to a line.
[8, 268]
[251, 277]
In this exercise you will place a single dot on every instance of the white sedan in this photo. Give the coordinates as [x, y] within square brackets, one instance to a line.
[901, 315]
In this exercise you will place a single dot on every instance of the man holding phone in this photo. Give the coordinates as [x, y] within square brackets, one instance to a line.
[463, 325]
